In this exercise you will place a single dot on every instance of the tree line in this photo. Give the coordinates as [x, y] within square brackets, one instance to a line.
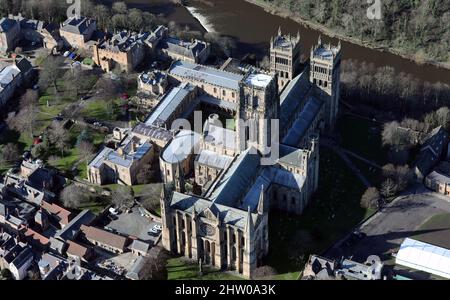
[385, 90]
[416, 27]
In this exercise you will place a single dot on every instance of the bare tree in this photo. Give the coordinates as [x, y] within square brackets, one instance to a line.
[155, 266]
[74, 196]
[370, 198]
[150, 196]
[50, 72]
[388, 188]
[25, 120]
[9, 153]
[122, 196]
[86, 150]
[31, 97]
[59, 137]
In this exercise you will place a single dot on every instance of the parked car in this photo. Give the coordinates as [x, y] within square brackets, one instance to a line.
[153, 231]
[159, 227]
[113, 211]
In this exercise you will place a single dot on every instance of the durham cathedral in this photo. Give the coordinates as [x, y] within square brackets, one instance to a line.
[223, 221]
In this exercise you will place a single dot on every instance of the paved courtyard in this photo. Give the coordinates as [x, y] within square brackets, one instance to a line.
[134, 224]
[387, 229]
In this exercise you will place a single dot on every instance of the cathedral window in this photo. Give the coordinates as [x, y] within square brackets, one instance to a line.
[215, 90]
[293, 201]
[224, 93]
[325, 84]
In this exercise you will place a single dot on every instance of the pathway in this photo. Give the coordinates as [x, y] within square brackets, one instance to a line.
[343, 154]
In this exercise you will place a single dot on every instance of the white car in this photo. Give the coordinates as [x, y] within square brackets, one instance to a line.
[113, 211]
[153, 231]
[158, 227]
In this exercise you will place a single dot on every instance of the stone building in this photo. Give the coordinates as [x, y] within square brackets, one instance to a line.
[285, 57]
[121, 165]
[9, 34]
[325, 72]
[124, 49]
[77, 31]
[195, 51]
[14, 76]
[153, 83]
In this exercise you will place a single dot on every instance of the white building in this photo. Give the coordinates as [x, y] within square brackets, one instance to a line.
[424, 257]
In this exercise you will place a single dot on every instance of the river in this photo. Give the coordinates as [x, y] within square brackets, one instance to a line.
[252, 27]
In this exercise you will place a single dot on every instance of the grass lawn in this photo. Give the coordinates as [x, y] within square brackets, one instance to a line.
[363, 137]
[96, 206]
[72, 156]
[98, 109]
[180, 269]
[437, 231]
[374, 175]
[333, 211]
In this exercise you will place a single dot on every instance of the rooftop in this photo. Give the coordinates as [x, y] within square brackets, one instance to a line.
[258, 80]
[214, 160]
[169, 104]
[184, 143]
[309, 113]
[104, 237]
[206, 74]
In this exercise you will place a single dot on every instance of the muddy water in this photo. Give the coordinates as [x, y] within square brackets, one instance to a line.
[252, 27]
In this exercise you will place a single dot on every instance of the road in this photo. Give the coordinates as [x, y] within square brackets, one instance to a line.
[387, 229]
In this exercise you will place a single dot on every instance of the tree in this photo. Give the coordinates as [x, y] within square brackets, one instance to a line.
[119, 8]
[150, 196]
[39, 150]
[74, 196]
[59, 137]
[50, 72]
[370, 198]
[10, 153]
[24, 121]
[84, 136]
[122, 196]
[155, 265]
[388, 188]
[86, 150]
[31, 97]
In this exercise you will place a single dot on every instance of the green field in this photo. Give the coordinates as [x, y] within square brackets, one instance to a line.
[363, 137]
[331, 214]
[180, 269]
[436, 231]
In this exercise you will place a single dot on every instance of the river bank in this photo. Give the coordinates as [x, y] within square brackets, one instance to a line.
[277, 11]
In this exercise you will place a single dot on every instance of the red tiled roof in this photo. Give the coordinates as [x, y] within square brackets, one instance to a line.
[63, 214]
[77, 249]
[36, 237]
[104, 237]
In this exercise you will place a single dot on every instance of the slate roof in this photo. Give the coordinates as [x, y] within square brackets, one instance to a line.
[77, 25]
[294, 97]
[180, 47]
[6, 24]
[169, 104]
[206, 74]
[153, 132]
[309, 113]
[232, 184]
[213, 160]
[70, 231]
[431, 150]
[228, 215]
